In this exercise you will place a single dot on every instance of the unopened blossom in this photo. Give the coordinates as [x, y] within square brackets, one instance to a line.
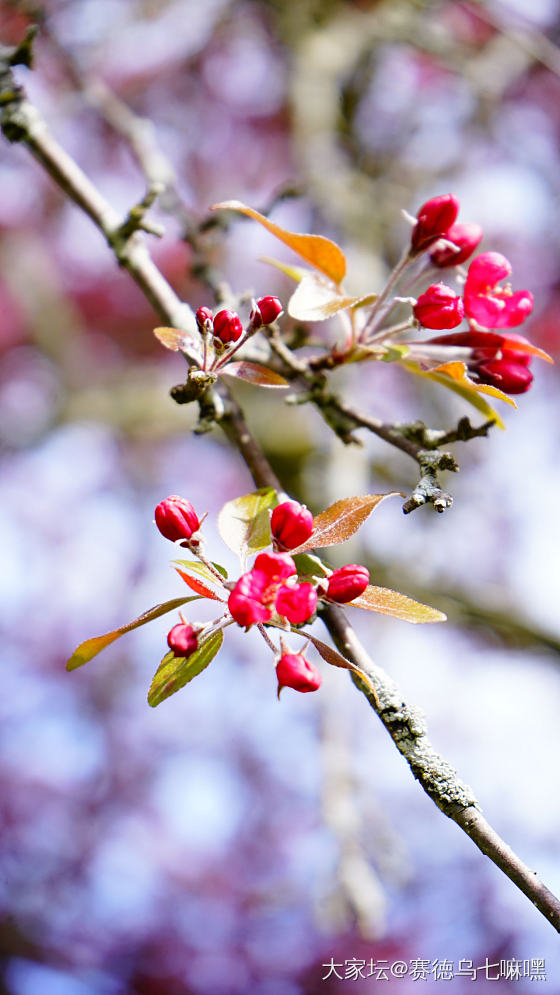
[293, 670]
[182, 639]
[270, 308]
[227, 326]
[433, 220]
[291, 524]
[176, 518]
[347, 583]
[439, 307]
[465, 239]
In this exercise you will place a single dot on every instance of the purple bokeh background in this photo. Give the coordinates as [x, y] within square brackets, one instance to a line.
[197, 847]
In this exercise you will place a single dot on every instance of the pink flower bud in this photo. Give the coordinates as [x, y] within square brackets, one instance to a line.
[182, 639]
[276, 566]
[176, 518]
[439, 307]
[204, 315]
[488, 304]
[291, 524]
[509, 375]
[246, 600]
[298, 603]
[465, 237]
[294, 671]
[434, 218]
[270, 309]
[227, 326]
[348, 583]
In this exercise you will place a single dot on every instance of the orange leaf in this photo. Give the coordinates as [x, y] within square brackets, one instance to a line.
[457, 370]
[341, 520]
[320, 252]
[465, 388]
[387, 602]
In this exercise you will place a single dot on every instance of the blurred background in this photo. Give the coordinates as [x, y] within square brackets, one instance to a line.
[226, 843]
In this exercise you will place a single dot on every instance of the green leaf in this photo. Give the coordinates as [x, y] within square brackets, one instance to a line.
[323, 254]
[176, 671]
[254, 373]
[394, 353]
[387, 602]
[342, 519]
[309, 565]
[244, 523]
[91, 647]
[295, 273]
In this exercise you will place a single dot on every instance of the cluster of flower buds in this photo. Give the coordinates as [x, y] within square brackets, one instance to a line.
[486, 303]
[226, 327]
[271, 587]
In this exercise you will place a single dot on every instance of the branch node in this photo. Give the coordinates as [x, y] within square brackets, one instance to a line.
[136, 221]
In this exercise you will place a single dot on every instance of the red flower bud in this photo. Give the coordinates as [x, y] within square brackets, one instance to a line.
[182, 639]
[204, 315]
[434, 218]
[488, 304]
[176, 518]
[291, 524]
[246, 600]
[348, 583]
[294, 671]
[439, 307]
[298, 603]
[509, 375]
[465, 237]
[227, 326]
[270, 309]
[276, 566]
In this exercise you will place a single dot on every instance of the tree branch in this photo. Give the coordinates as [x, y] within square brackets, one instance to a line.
[405, 724]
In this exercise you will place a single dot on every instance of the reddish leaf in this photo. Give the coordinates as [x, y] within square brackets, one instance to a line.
[91, 647]
[196, 585]
[387, 602]
[254, 373]
[176, 671]
[320, 252]
[342, 519]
